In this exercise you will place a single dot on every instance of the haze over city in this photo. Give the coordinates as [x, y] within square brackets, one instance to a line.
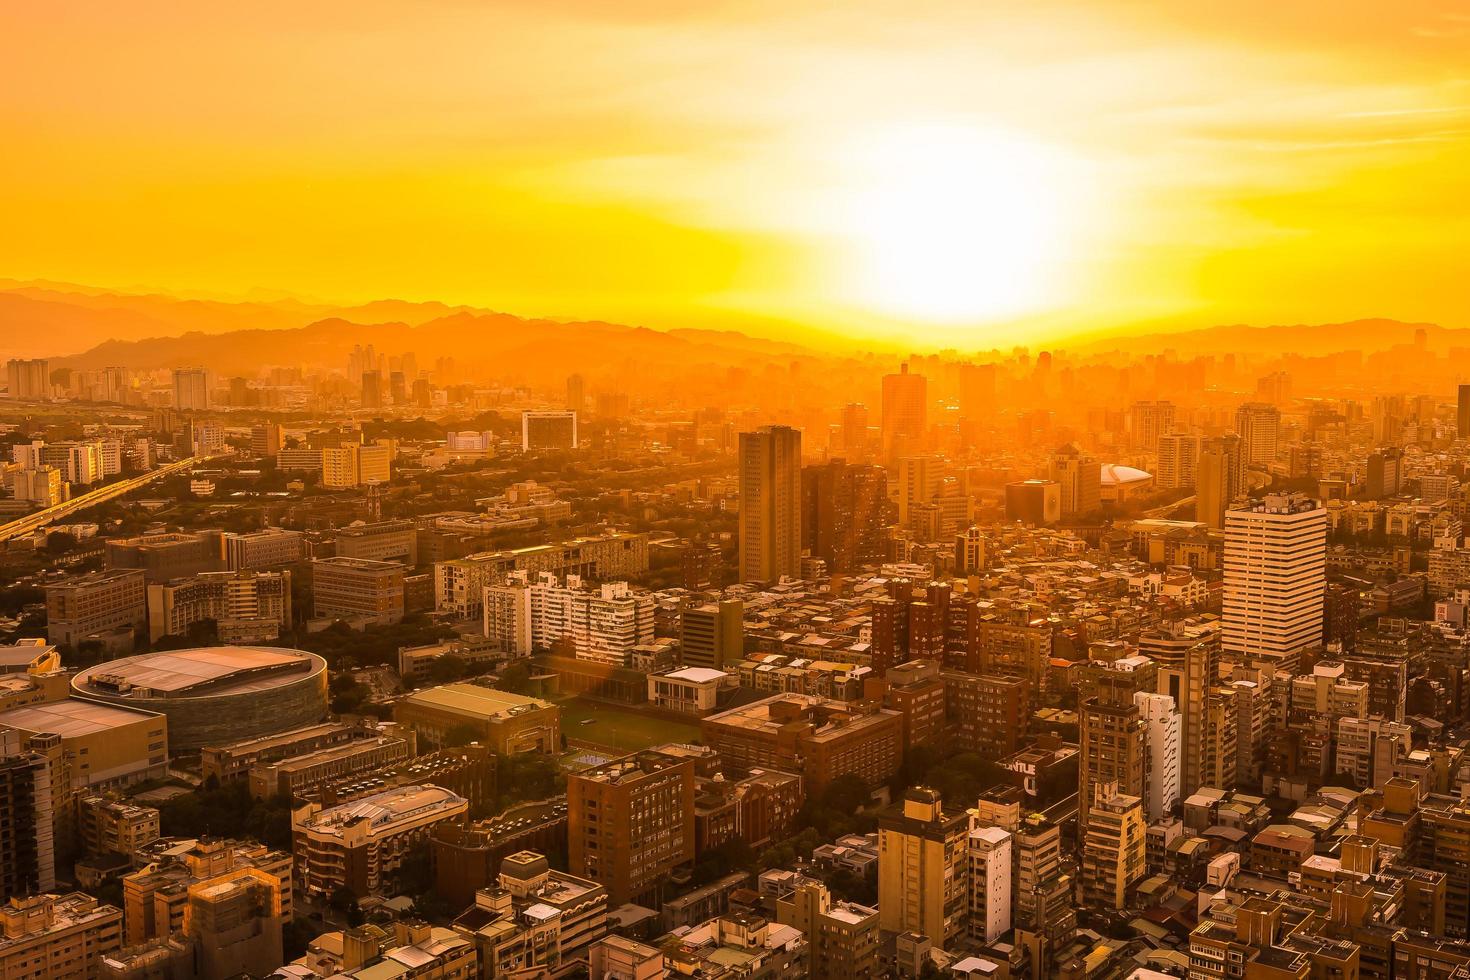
[741, 491]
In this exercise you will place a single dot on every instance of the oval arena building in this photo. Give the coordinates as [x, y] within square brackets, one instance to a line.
[215, 695]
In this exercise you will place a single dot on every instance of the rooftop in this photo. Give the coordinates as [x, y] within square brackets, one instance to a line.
[72, 718]
[190, 673]
[474, 701]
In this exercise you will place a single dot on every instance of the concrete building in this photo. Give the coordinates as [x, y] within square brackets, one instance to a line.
[115, 826]
[459, 584]
[810, 735]
[990, 870]
[1078, 477]
[770, 504]
[362, 845]
[191, 389]
[1275, 579]
[1113, 847]
[28, 816]
[213, 695]
[58, 937]
[712, 635]
[104, 745]
[246, 606]
[1259, 427]
[548, 430]
[510, 723]
[380, 541]
[1034, 502]
[355, 465]
[923, 868]
[1164, 743]
[29, 379]
[764, 950]
[905, 413]
[167, 556]
[687, 690]
[356, 588]
[534, 919]
[843, 937]
[111, 606]
[603, 625]
[631, 824]
[261, 549]
[295, 775]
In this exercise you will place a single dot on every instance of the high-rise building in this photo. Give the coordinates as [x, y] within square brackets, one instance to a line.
[548, 430]
[845, 514]
[29, 379]
[855, 430]
[918, 479]
[1163, 741]
[923, 868]
[770, 504]
[576, 393]
[991, 873]
[354, 465]
[27, 816]
[1113, 847]
[246, 606]
[1147, 421]
[969, 550]
[1275, 578]
[1178, 460]
[191, 389]
[1385, 472]
[372, 389]
[1112, 737]
[977, 391]
[905, 413]
[338, 847]
[1079, 478]
[630, 824]
[1462, 412]
[712, 635]
[1217, 479]
[265, 440]
[1259, 427]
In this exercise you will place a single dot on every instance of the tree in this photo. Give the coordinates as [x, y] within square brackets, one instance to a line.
[515, 677]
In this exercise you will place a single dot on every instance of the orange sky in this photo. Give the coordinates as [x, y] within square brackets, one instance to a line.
[945, 173]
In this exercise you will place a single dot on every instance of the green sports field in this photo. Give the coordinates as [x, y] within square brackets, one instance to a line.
[620, 727]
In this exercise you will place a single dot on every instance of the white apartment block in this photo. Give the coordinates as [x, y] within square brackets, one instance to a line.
[989, 855]
[603, 625]
[1164, 743]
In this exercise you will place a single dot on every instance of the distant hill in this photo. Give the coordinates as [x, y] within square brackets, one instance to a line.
[88, 327]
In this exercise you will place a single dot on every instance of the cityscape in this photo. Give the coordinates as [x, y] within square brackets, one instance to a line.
[603, 588]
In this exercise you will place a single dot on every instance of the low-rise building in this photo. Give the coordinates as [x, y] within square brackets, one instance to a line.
[58, 937]
[362, 845]
[510, 723]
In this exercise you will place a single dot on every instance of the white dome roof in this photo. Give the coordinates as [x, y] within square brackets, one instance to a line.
[1114, 473]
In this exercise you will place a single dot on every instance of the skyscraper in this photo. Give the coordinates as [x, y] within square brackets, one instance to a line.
[576, 394]
[1275, 578]
[1462, 415]
[905, 412]
[844, 513]
[191, 389]
[770, 503]
[855, 430]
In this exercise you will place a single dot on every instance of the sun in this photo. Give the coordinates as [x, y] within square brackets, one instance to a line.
[954, 223]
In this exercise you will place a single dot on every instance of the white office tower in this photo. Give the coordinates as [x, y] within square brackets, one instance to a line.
[1164, 744]
[1275, 579]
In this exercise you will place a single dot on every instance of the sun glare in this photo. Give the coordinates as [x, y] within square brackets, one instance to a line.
[953, 223]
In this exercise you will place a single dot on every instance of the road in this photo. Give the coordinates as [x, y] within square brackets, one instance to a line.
[41, 518]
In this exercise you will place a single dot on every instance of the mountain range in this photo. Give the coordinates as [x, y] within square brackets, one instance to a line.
[89, 327]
